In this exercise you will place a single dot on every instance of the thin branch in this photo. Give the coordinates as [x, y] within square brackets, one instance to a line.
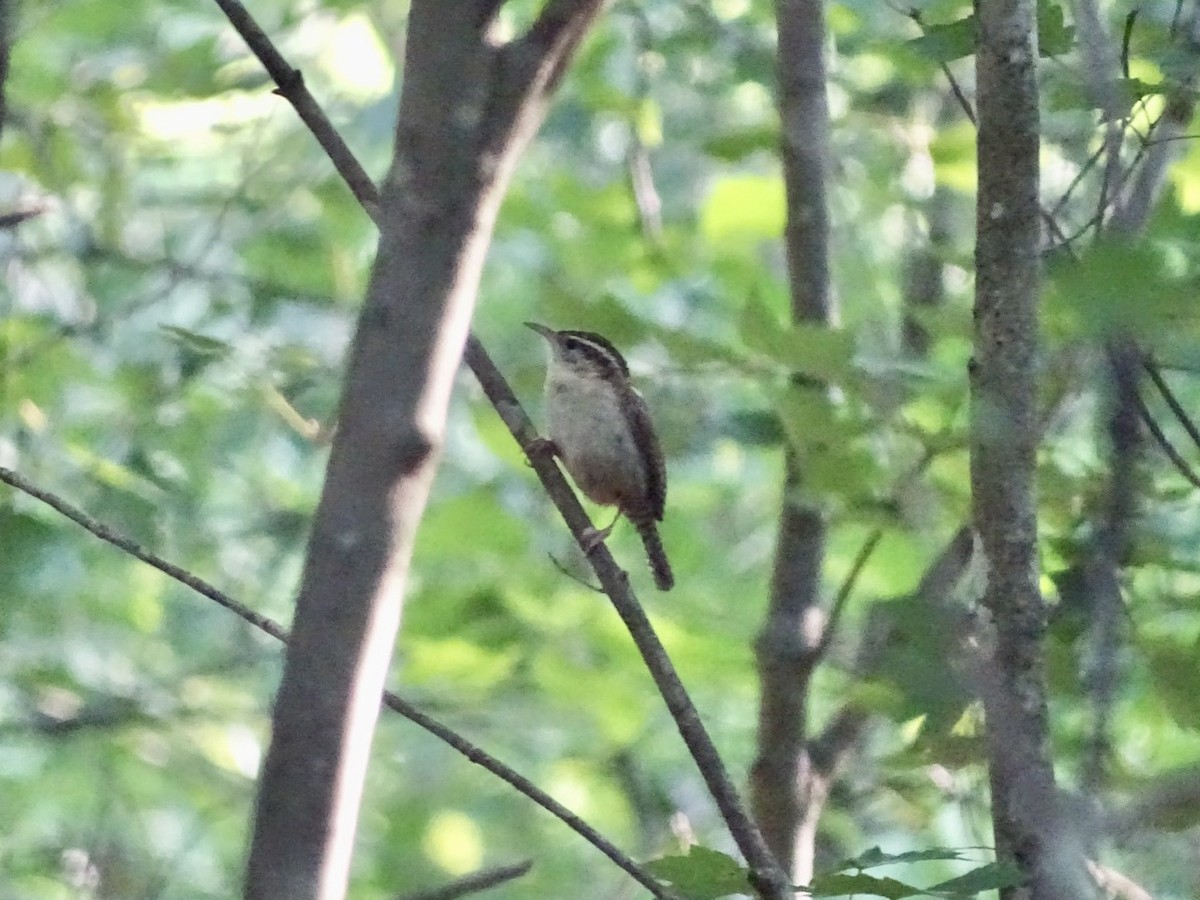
[959, 95]
[615, 583]
[1155, 373]
[1126, 39]
[860, 561]
[1047, 216]
[1087, 166]
[390, 700]
[1116, 885]
[108, 535]
[839, 601]
[290, 86]
[474, 883]
[915, 15]
[17, 216]
[1176, 458]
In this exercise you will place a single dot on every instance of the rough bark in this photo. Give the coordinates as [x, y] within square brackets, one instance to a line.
[467, 107]
[1004, 434]
[8, 17]
[788, 788]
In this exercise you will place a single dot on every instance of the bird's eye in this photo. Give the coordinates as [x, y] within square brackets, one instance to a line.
[571, 344]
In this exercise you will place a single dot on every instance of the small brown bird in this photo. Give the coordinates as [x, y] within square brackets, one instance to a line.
[601, 430]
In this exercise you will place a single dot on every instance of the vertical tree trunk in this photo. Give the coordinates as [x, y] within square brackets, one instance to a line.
[1028, 829]
[787, 789]
[468, 105]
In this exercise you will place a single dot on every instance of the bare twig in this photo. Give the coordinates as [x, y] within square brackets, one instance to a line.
[290, 85]
[391, 700]
[108, 535]
[838, 606]
[959, 94]
[1155, 373]
[1181, 465]
[1115, 885]
[474, 883]
[616, 584]
[17, 216]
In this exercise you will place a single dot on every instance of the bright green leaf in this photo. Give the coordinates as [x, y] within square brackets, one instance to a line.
[702, 874]
[744, 207]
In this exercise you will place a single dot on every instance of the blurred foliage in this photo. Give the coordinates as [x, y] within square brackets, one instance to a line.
[172, 334]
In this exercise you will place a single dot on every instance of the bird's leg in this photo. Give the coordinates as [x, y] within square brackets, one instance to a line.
[593, 538]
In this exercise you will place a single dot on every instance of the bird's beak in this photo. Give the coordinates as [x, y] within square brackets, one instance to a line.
[547, 333]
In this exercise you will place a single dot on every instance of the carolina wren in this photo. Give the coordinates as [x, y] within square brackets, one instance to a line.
[600, 428]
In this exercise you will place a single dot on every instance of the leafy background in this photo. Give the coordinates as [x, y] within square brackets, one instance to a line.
[173, 330]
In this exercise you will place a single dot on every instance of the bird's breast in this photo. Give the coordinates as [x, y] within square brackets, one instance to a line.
[588, 423]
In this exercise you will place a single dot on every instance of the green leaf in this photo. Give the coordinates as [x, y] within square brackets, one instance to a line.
[813, 350]
[840, 884]
[1119, 287]
[953, 40]
[990, 877]
[702, 875]
[741, 207]
[1177, 679]
[1055, 37]
[948, 42]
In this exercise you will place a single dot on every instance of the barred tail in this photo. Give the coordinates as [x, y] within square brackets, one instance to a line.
[664, 579]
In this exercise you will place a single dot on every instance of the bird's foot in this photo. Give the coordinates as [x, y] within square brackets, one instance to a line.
[591, 538]
[541, 446]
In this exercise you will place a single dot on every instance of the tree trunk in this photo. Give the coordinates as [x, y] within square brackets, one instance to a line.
[787, 788]
[1029, 831]
[468, 105]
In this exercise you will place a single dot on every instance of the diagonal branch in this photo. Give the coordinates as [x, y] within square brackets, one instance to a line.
[290, 86]
[1168, 395]
[392, 701]
[556, 38]
[556, 33]
[615, 584]
[474, 883]
[1181, 465]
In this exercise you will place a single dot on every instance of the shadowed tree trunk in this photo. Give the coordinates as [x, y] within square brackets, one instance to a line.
[788, 786]
[468, 105]
[1029, 830]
